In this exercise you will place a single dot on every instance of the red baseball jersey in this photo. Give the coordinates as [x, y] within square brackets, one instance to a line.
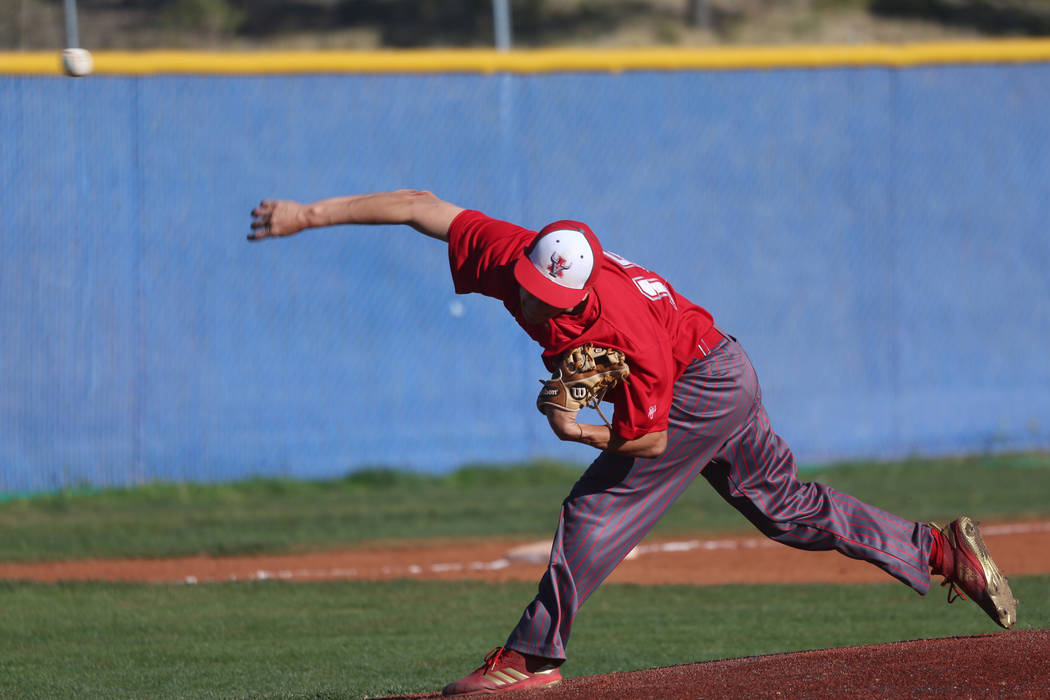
[629, 308]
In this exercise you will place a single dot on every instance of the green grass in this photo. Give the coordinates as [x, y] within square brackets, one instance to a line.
[349, 640]
[356, 639]
[274, 515]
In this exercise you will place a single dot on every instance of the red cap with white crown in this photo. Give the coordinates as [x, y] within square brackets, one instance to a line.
[560, 264]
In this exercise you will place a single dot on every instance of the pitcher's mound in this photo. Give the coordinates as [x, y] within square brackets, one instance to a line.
[1003, 665]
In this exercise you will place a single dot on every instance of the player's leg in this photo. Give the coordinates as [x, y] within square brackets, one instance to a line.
[605, 516]
[608, 511]
[756, 473]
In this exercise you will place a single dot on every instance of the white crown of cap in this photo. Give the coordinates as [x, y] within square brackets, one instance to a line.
[564, 257]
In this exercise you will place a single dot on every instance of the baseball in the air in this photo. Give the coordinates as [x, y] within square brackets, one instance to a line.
[77, 62]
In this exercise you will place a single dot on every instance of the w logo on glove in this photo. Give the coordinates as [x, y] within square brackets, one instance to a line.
[582, 378]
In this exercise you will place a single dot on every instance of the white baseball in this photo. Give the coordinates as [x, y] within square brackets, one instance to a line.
[77, 62]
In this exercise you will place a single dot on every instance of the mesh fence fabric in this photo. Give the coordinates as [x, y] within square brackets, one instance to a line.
[876, 238]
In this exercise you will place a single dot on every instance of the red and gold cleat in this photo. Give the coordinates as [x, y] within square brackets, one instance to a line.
[973, 573]
[504, 670]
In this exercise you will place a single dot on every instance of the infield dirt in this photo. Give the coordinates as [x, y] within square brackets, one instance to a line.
[1007, 665]
[1021, 548]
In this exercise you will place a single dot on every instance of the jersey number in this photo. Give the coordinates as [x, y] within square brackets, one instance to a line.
[653, 289]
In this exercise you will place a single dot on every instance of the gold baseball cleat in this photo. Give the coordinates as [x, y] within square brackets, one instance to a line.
[975, 575]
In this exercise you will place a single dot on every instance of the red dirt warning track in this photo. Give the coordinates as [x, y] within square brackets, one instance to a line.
[1019, 549]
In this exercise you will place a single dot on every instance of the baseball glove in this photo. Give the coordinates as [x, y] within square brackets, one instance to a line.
[583, 376]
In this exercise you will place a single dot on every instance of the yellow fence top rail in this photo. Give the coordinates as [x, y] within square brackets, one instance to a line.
[538, 60]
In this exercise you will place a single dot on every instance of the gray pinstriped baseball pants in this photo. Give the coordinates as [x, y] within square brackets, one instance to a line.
[718, 427]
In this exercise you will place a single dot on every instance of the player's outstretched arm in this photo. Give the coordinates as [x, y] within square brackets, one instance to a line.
[275, 218]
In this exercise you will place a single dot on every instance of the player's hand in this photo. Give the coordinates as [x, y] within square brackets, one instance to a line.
[274, 218]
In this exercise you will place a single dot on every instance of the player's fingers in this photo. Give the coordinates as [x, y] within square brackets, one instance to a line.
[265, 207]
[261, 216]
[260, 229]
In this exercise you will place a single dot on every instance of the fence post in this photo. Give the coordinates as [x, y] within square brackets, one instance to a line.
[72, 33]
[501, 20]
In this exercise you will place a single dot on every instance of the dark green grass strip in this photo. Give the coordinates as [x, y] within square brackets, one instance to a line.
[274, 515]
[349, 640]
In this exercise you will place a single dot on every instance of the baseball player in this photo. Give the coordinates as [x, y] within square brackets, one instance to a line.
[690, 406]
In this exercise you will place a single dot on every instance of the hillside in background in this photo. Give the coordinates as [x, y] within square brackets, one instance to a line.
[369, 24]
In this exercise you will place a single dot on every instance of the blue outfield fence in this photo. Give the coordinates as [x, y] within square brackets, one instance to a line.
[876, 237]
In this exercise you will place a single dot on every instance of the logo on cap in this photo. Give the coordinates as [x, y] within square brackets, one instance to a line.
[558, 265]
